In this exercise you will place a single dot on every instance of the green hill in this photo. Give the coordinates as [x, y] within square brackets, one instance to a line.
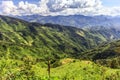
[107, 54]
[27, 49]
[74, 70]
[22, 37]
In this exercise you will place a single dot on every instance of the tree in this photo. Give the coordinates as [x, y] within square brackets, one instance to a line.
[48, 58]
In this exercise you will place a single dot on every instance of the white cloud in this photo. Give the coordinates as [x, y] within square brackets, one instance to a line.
[58, 7]
[26, 8]
[7, 7]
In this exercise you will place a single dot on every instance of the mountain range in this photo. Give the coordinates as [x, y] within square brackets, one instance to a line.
[27, 48]
[54, 36]
[79, 21]
[66, 40]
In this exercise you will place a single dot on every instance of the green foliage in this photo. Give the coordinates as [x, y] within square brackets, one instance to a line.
[33, 38]
[76, 70]
[107, 54]
[25, 49]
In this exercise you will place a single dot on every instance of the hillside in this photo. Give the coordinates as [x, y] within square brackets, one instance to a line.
[107, 54]
[106, 25]
[36, 38]
[27, 51]
[75, 70]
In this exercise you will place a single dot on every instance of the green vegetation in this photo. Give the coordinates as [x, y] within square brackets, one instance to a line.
[32, 51]
[33, 38]
[71, 70]
[107, 54]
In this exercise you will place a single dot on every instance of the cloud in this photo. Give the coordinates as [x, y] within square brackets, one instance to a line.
[7, 7]
[27, 8]
[73, 4]
[58, 7]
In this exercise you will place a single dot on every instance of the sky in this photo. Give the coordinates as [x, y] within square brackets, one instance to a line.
[111, 3]
[60, 7]
[30, 1]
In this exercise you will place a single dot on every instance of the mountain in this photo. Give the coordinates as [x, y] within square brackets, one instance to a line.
[79, 21]
[106, 25]
[107, 54]
[63, 40]
[47, 51]
[59, 39]
[35, 38]
[111, 33]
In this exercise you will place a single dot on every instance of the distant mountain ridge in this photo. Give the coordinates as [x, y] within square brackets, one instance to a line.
[80, 21]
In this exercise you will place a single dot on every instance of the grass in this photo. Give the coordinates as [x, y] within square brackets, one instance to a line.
[71, 70]
[83, 70]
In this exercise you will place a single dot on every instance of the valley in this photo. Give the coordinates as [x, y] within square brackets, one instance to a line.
[28, 48]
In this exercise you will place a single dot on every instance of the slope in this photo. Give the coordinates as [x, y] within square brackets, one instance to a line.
[27, 47]
[35, 38]
[75, 70]
[107, 54]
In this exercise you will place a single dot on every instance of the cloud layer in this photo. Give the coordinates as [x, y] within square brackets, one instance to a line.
[58, 7]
